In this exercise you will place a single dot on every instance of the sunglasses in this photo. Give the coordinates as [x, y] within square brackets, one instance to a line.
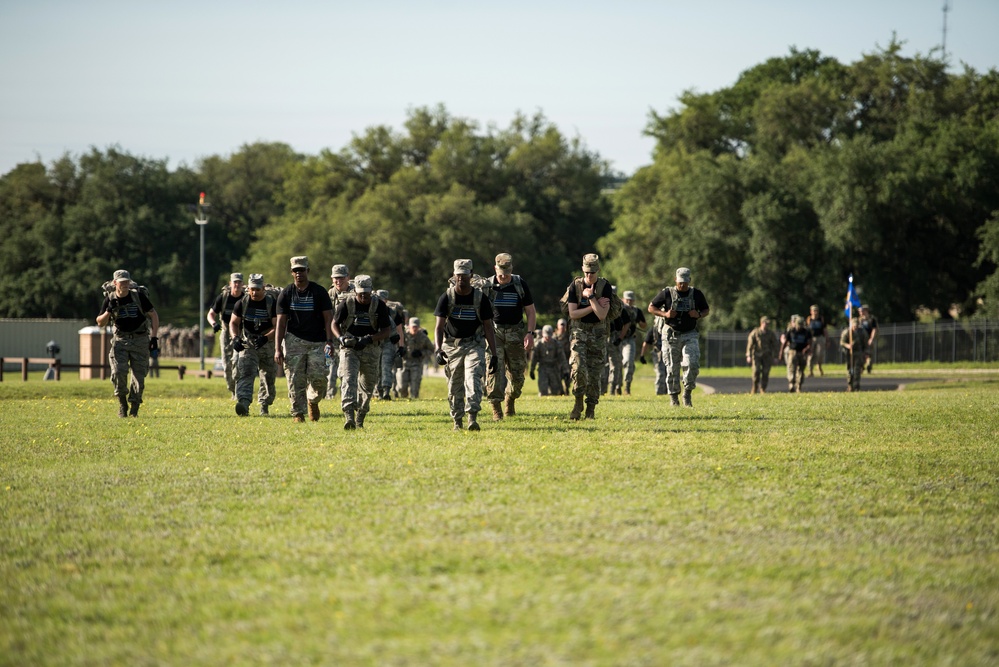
[299, 270]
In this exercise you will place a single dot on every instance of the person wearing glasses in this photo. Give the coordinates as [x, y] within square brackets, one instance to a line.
[303, 338]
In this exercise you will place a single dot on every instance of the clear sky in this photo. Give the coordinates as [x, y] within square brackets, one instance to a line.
[181, 80]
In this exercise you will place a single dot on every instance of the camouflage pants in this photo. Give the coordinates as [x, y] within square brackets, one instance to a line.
[508, 379]
[249, 364]
[586, 359]
[615, 366]
[129, 351]
[359, 375]
[795, 369]
[305, 368]
[387, 361]
[628, 354]
[465, 371]
[681, 354]
[332, 372]
[854, 371]
[228, 360]
[660, 367]
[409, 377]
[817, 353]
[761, 372]
[549, 381]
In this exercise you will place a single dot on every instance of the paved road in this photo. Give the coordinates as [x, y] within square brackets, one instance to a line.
[778, 383]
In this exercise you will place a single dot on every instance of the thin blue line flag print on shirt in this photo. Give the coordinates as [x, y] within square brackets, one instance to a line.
[852, 300]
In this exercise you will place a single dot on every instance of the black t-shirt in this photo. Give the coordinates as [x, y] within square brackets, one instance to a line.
[362, 325]
[816, 325]
[652, 337]
[692, 299]
[508, 305]
[639, 318]
[463, 323]
[305, 311]
[798, 339]
[130, 319]
[224, 304]
[869, 324]
[258, 316]
[583, 302]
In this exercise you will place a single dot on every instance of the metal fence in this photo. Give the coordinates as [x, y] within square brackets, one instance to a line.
[946, 341]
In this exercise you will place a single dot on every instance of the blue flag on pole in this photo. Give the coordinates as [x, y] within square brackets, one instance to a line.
[852, 300]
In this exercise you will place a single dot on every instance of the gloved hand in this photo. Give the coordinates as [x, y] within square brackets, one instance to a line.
[440, 358]
[348, 340]
[400, 352]
[617, 341]
[362, 342]
[154, 343]
[532, 374]
[394, 338]
[259, 342]
[565, 377]
[642, 359]
[493, 363]
[113, 304]
[216, 327]
[238, 345]
[417, 354]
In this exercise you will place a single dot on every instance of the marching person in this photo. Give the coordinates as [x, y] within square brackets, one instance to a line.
[589, 301]
[511, 298]
[136, 325]
[682, 307]
[653, 344]
[393, 348]
[360, 324]
[462, 333]
[795, 343]
[303, 339]
[562, 336]
[251, 329]
[629, 344]
[820, 340]
[762, 350]
[869, 325]
[418, 349]
[339, 291]
[218, 316]
[853, 341]
[550, 363]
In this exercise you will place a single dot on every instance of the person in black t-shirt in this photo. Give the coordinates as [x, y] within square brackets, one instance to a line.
[251, 327]
[303, 339]
[136, 324]
[682, 306]
[589, 300]
[512, 299]
[218, 316]
[795, 344]
[464, 318]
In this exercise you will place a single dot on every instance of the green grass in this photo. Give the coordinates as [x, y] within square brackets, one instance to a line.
[813, 529]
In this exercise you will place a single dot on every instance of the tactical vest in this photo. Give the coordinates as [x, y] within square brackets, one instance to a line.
[351, 309]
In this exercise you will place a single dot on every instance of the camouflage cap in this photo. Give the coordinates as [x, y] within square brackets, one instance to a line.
[683, 275]
[121, 275]
[362, 283]
[628, 294]
[504, 262]
[414, 321]
[764, 320]
[256, 281]
[383, 293]
[301, 262]
[340, 271]
[561, 321]
[797, 320]
[235, 277]
[813, 307]
[547, 329]
[591, 262]
[462, 266]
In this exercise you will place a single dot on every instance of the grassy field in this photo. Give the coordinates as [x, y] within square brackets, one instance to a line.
[812, 529]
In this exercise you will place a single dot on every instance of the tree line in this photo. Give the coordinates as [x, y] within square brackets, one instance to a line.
[772, 190]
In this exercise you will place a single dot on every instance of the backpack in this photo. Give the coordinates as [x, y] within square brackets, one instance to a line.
[352, 309]
[134, 289]
[615, 304]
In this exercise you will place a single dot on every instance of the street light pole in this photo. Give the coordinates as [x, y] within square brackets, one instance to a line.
[201, 221]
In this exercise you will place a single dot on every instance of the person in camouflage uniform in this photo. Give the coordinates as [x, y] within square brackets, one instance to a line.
[629, 344]
[618, 330]
[854, 341]
[762, 350]
[338, 291]
[136, 325]
[549, 360]
[251, 328]
[418, 349]
[360, 323]
[795, 344]
[512, 300]
[869, 325]
[562, 336]
[393, 348]
[588, 311]
[653, 345]
[218, 316]
[303, 339]
[463, 330]
[820, 340]
[682, 306]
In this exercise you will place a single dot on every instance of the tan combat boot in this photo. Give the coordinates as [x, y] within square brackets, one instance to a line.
[497, 411]
[590, 411]
[577, 410]
[510, 411]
